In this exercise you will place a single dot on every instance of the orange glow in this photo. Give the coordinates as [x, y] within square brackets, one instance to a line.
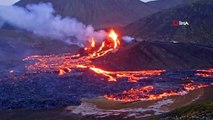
[93, 43]
[105, 73]
[114, 37]
[133, 76]
[143, 93]
[65, 63]
[81, 66]
[77, 55]
[190, 86]
[61, 72]
[102, 46]
[205, 73]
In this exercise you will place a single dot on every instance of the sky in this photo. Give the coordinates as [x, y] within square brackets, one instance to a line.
[10, 2]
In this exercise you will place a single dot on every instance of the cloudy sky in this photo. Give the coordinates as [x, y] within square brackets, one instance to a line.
[10, 2]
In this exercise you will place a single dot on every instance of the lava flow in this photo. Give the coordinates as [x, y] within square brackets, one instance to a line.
[143, 93]
[205, 73]
[66, 63]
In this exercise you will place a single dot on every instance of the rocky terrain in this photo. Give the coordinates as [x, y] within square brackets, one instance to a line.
[40, 90]
[201, 108]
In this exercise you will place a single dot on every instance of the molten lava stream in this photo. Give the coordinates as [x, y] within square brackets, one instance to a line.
[133, 76]
[205, 73]
[143, 93]
[66, 62]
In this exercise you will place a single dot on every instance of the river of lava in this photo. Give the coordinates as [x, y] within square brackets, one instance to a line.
[205, 73]
[66, 63]
[143, 93]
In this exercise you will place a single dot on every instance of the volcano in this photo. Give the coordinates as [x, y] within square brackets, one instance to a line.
[117, 77]
[102, 71]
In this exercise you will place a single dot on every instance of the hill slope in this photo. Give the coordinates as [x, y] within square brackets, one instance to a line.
[159, 26]
[99, 13]
[165, 4]
[158, 55]
[103, 13]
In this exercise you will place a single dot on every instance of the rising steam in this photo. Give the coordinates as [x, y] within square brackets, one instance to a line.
[40, 19]
[128, 39]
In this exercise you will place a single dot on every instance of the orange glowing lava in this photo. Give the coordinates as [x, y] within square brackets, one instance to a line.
[190, 86]
[66, 62]
[114, 37]
[93, 43]
[133, 76]
[143, 93]
[205, 73]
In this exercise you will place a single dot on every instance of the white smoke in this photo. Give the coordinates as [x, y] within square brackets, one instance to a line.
[128, 39]
[40, 19]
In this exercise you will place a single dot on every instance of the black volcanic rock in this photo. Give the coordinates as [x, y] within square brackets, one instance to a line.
[159, 26]
[158, 55]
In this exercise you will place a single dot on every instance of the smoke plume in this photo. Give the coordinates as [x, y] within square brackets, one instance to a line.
[40, 19]
[128, 39]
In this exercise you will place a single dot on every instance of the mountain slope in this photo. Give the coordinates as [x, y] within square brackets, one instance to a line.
[104, 13]
[165, 4]
[100, 13]
[158, 26]
[158, 55]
